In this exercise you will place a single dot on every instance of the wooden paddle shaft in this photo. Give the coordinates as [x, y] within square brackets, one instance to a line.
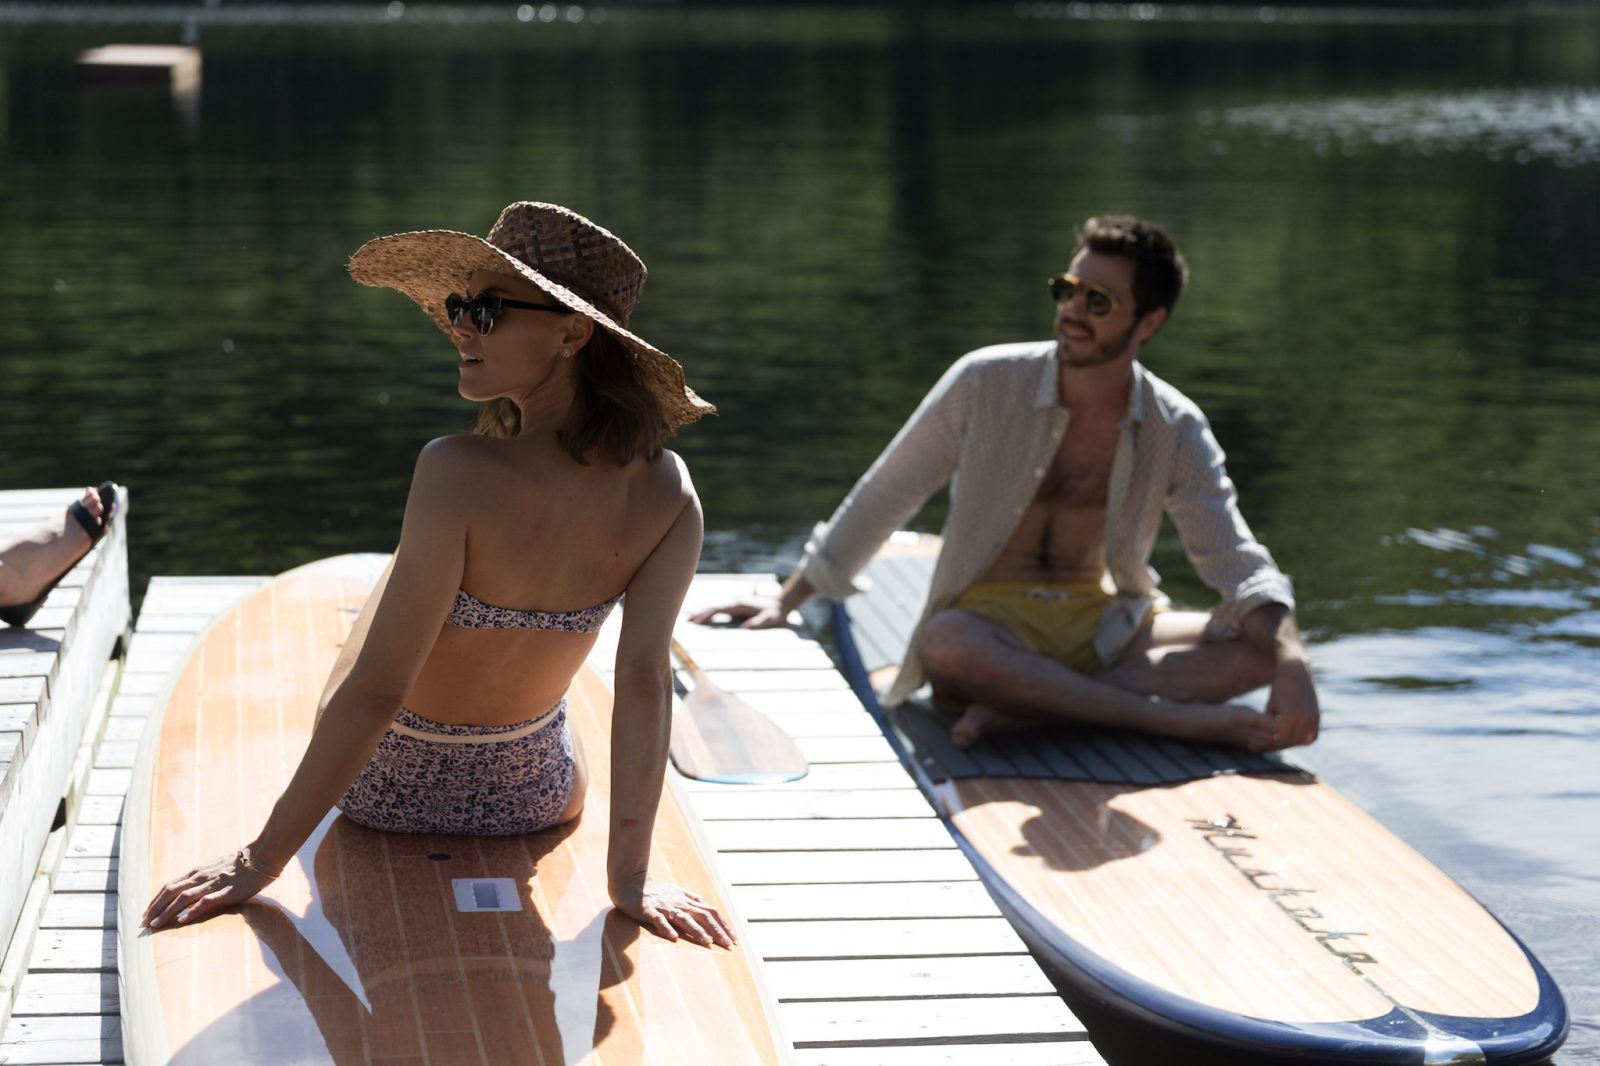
[684, 657]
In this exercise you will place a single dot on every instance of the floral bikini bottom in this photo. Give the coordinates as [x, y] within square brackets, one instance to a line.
[429, 777]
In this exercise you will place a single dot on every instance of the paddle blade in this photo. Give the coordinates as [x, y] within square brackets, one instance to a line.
[718, 737]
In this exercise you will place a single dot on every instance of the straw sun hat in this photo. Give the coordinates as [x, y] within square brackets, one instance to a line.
[579, 264]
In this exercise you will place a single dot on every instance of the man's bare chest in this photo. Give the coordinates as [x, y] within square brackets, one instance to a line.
[1080, 472]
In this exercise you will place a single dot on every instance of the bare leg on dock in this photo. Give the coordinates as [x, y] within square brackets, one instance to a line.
[30, 562]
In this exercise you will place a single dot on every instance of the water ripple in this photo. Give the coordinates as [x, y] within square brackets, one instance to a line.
[1560, 125]
[1414, 684]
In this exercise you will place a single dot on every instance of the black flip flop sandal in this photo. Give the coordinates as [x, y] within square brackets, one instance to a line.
[20, 614]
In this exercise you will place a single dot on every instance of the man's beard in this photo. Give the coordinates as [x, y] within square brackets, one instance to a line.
[1106, 351]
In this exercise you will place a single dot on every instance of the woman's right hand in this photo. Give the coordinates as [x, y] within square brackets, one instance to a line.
[763, 613]
[205, 890]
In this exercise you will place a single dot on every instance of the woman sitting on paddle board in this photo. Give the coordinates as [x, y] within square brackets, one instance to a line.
[446, 709]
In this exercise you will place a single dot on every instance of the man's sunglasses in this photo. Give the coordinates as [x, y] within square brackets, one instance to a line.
[483, 308]
[1098, 301]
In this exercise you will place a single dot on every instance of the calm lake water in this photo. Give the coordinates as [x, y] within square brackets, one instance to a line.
[1394, 322]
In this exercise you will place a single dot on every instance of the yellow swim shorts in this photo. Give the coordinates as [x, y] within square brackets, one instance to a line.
[1058, 620]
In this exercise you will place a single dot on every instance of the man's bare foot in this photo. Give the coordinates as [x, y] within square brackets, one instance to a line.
[1230, 724]
[978, 721]
[30, 562]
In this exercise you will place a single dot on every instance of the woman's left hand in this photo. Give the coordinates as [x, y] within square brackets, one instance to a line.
[670, 912]
[203, 891]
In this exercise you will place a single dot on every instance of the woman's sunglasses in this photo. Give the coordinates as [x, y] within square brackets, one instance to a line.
[483, 308]
[1098, 301]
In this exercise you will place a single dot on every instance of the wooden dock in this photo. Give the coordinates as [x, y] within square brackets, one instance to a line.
[176, 66]
[877, 938]
[54, 675]
[875, 934]
[66, 1001]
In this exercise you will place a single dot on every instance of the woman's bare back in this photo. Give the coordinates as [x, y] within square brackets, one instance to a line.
[545, 534]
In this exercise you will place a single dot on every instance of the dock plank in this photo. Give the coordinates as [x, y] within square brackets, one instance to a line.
[733, 804]
[844, 867]
[80, 910]
[116, 754]
[819, 750]
[124, 705]
[927, 899]
[124, 727]
[86, 875]
[175, 623]
[18, 716]
[109, 782]
[820, 723]
[819, 680]
[21, 689]
[889, 938]
[77, 950]
[868, 834]
[67, 993]
[829, 777]
[136, 683]
[699, 638]
[740, 657]
[100, 810]
[815, 702]
[915, 978]
[93, 841]
[43, 1040]
[27, 662]
[858, 1022]
[1054, 1053]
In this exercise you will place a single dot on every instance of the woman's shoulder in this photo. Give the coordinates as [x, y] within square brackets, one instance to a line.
[455, 448]
[660, 492]
[464, 455]
[448, 467]
[667, 477]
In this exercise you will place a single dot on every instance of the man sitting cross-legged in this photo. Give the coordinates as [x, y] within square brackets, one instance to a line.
[1062, 456]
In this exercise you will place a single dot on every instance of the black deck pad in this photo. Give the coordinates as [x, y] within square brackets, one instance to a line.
[1071, 753]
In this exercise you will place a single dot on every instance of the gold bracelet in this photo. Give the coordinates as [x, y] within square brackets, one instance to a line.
[242, 857]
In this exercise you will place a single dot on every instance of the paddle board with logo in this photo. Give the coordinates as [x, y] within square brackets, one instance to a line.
[1230, 906]
[389, 947]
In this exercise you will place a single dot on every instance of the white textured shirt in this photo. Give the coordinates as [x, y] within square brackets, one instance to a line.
[991, 429]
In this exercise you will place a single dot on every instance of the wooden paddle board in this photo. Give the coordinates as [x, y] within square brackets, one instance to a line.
[1238, 907]
[387, 947]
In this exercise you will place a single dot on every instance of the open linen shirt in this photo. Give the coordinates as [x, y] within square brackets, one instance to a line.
[991, 428]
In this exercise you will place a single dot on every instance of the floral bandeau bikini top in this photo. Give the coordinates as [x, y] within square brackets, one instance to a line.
[470, 612]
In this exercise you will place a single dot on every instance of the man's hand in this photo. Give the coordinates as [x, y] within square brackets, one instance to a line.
[1292, 703]
[748, 614]
[763, 612]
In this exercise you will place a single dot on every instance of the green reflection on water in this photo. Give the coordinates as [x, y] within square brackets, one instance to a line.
[1388, 332]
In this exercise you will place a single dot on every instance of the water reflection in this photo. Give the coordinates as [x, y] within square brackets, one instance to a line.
[1560, 125]
[377, 961]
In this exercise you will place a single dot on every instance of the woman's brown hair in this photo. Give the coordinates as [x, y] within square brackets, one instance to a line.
[612, 411]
